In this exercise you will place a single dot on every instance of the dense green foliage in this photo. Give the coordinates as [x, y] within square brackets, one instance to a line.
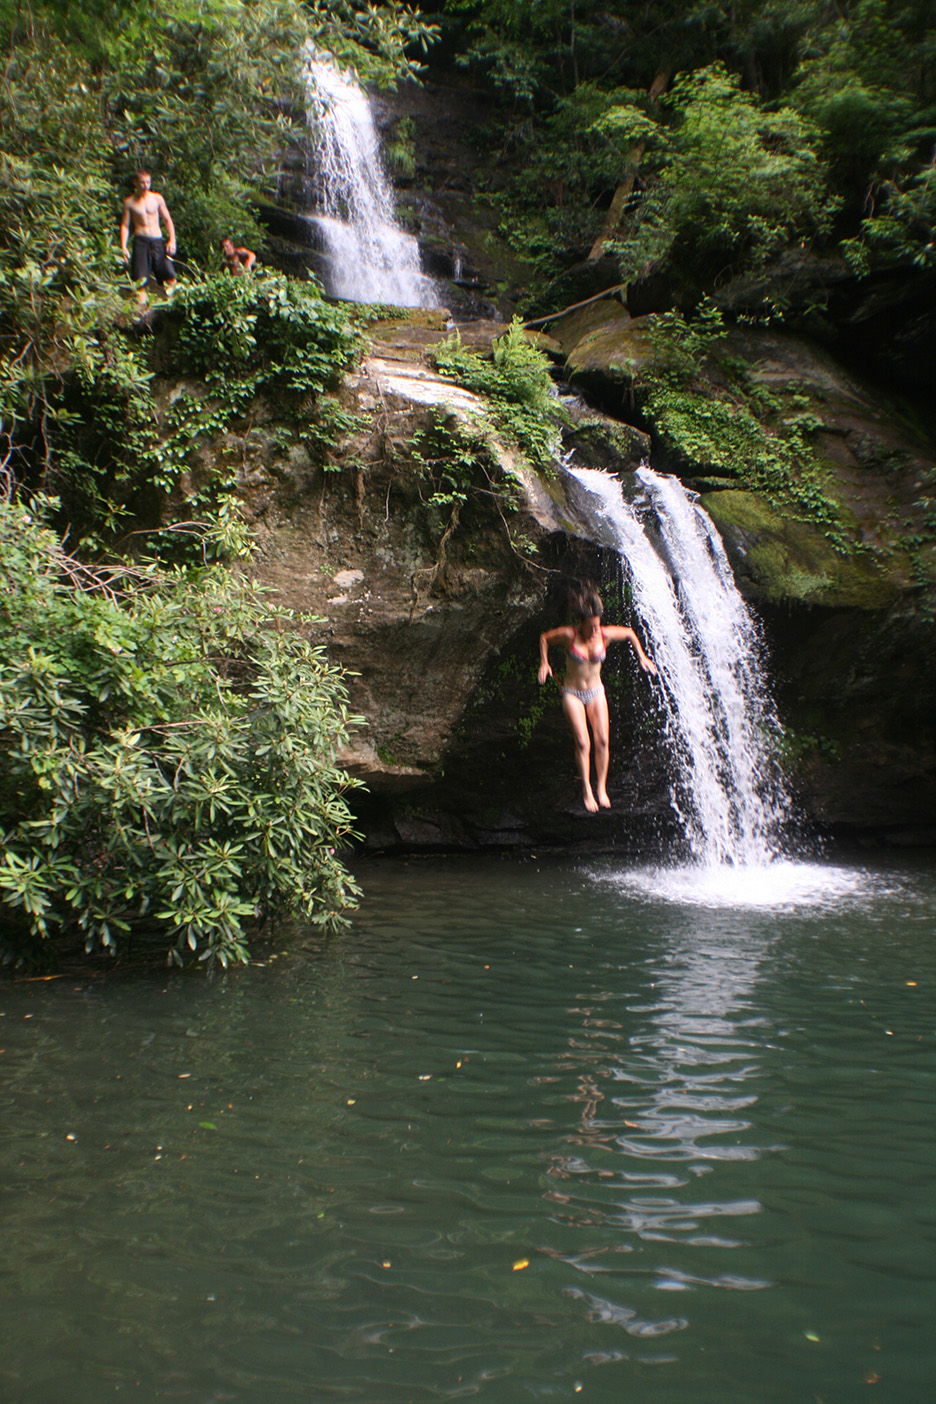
[99, 438]
[167, 739]
[734, 183]
[740, 127]
[706, 410]
[515, 380]
[167, 755]
[240, 338]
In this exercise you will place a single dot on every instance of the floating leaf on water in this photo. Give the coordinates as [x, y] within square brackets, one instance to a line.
[208, 1125]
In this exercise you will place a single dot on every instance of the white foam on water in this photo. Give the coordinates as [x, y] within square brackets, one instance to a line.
[784, 885]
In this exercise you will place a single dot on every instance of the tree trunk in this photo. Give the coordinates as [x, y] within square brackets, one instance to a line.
[621, 196]
[626, 188]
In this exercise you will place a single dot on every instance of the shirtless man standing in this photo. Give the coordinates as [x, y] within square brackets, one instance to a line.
[145, 211]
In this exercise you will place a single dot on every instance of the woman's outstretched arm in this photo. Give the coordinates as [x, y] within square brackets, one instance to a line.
[619, 633]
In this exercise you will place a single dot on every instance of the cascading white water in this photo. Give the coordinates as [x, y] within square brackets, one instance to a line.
[706, 644]
[370, 258]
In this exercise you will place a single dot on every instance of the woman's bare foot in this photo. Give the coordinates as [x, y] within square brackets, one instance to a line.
[591, 804]
[603, 800]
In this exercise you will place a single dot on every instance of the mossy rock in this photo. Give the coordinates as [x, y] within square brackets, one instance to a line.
[779, 558]
[604, 340]
[582, 280]
[601, 442]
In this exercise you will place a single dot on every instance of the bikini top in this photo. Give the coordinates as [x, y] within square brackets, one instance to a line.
[579, 657]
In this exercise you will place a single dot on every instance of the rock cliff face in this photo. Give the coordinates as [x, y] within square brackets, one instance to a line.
[434, 606]
[417, 589]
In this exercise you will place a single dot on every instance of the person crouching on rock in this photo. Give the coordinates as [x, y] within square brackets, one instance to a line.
[237, 259]
[583, 695]
[145, 211]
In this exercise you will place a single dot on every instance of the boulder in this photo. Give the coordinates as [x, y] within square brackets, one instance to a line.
[883, 323]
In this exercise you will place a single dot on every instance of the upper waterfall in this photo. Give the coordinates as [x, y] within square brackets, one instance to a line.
[369, 257]
[719, 716]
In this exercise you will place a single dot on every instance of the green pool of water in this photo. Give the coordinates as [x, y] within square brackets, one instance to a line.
[527, 1132]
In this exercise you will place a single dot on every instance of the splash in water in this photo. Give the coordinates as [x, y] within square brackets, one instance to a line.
[369, 257]
[720, 721]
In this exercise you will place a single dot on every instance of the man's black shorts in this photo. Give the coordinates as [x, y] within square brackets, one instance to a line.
[149, 260]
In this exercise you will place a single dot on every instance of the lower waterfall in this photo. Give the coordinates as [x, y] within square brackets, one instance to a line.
[721, 724]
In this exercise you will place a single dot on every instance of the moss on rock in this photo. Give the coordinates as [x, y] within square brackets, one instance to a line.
[780, 558]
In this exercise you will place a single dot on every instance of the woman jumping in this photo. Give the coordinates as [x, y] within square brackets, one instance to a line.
[583, 695]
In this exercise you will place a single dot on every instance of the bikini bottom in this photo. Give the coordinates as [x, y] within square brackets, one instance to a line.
[584, 695]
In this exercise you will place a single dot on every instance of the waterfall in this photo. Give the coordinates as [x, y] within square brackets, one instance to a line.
[719, 718]
[369, 257]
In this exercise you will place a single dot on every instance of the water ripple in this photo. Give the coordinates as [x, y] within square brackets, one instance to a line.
[461, 1153]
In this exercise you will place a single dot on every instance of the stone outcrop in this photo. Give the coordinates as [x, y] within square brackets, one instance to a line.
[416, 594]
[433, 607]
[884, 323]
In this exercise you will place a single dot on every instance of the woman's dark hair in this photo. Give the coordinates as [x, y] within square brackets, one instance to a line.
[584, 600]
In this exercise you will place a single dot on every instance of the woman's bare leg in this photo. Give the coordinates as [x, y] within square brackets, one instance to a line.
[597, 712]
[575, 716]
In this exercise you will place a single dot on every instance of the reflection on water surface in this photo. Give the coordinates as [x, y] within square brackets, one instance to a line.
[522, 1134]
